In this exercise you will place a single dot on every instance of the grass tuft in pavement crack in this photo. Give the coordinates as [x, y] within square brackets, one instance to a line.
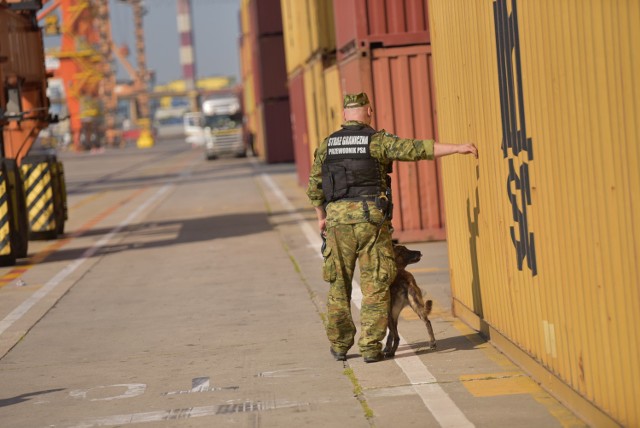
[357, 392]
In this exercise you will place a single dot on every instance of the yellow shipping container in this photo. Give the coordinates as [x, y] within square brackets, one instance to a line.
[248, 93]
[295, 29]
[246, 55]
[245, 20]
[315, 97]
[257, 121]
[321, 26]
[308, 28]
[543, 232]
[333, 95]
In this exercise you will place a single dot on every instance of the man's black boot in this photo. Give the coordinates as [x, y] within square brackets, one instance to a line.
[374, 358]
[339, 356]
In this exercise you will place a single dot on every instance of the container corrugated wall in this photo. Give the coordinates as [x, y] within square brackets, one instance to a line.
[316, 104]
[321, 26]
[299, 127]
[266, 96]
[360, 23]
[308, 29]
[309, 42]
[265, 17]
[246, 66]
[543, 230]
[334, 97]
[248, 92]
[364, 29]
[403, 105]
[355, 74]
[276, 129]
[268, 63]
[295, 27]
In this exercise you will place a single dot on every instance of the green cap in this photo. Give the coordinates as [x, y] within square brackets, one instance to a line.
[356, 100]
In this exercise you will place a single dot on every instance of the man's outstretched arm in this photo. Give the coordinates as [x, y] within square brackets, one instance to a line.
[441, 149]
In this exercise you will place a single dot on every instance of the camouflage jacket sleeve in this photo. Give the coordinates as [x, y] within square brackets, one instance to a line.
[314, 190]
[393, 147]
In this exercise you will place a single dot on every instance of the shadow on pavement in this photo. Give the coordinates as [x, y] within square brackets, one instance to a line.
[447, 344]
[167, 233]
[4, 402]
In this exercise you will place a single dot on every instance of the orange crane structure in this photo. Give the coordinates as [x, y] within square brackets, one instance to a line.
[86, 67]
[141, 76]
[83, 67]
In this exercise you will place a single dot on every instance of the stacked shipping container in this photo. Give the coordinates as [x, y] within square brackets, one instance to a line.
[266, 97]
[309, 46]
[383, 49]
[544, 244]
[555, 286]
[328, 57]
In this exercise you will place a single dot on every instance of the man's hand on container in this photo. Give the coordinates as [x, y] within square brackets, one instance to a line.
[468, 149]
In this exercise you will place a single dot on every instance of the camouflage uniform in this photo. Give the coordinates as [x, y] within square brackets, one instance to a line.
[358, 230]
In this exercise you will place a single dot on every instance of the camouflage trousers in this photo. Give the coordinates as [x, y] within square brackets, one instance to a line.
[372, 248]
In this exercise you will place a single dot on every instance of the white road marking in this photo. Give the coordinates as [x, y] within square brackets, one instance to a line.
[441, 406]
[312, 235]
[191, 412]
[50, 285]
[133, 390]
[25, 306]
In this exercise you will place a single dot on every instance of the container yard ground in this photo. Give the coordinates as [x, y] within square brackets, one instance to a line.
[188, 293]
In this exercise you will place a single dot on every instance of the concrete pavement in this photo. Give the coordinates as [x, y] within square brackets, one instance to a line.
[188, 293]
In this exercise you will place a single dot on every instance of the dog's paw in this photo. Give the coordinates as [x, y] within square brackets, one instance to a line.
[433, 345]
[388, 353]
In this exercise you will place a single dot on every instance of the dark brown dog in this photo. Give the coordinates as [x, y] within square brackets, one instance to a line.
[405, 291]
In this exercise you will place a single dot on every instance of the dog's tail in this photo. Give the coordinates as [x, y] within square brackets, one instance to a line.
[428, 305]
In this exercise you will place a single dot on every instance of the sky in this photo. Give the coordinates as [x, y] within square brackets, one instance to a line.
[216, 28]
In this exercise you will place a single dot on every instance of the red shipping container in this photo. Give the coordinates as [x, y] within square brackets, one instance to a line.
[269, 68]
[265, 16]
[404, 104]
[276, 128]
[360, 23]
[299, 128]
[355, 74]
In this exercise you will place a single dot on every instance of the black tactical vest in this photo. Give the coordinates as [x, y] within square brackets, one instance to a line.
[349, 171]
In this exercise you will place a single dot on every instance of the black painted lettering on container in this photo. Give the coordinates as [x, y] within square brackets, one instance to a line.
[514, 130]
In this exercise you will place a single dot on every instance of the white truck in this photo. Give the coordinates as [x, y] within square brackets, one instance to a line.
[218, 128]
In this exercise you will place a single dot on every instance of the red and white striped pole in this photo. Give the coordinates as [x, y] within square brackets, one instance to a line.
[187, 57]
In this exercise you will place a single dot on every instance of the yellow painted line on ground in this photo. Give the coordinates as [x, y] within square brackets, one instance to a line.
[502, 383]
[87, 200]
[513, 380]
